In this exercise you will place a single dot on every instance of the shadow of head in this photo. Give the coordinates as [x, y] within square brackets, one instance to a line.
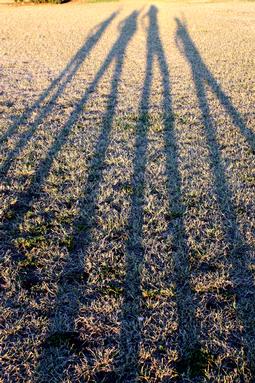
[152, 15]
[129, 25]
[182, 28]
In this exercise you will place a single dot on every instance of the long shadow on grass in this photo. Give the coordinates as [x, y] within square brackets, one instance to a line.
[65, 313]
[206, 78]
[127, 362]
[25, 199]
[46, 102]
[237, 249]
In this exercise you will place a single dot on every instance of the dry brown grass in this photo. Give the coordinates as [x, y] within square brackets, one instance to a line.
[127, 188]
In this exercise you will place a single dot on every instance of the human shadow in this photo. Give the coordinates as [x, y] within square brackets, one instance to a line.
[74, 265]
[24, 200]
[46, 102]
[238, 250]
[200, 70]
[127, 361]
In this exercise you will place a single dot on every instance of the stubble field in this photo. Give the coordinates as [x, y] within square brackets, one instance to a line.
[127, 192]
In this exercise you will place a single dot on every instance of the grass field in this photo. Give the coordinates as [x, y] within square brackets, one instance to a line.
[127, 192]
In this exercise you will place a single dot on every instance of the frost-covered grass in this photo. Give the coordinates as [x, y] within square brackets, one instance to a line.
[127, 193]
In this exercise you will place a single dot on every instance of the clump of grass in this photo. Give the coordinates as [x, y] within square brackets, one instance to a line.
[110, 280]
[3, 282]
[68, 242]
[125, 186]
[27, 262]
[192, 199]
[9, 215]
[162, 349]
[107, 271]
[197, 254]
[28, 243]
[112, 288]
[158, 128]
[157, 293]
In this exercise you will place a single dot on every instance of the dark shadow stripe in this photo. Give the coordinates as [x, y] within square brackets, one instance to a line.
[25, 199]
[200, 70]
[127, 362]
[58, 86]
[238, 250]
[91, 190]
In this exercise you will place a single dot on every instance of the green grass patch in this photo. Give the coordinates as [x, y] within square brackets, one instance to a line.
[156, 293]
[28, 243]
[112, 288]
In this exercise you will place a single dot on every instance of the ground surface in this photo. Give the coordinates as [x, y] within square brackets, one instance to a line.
[126, 196]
